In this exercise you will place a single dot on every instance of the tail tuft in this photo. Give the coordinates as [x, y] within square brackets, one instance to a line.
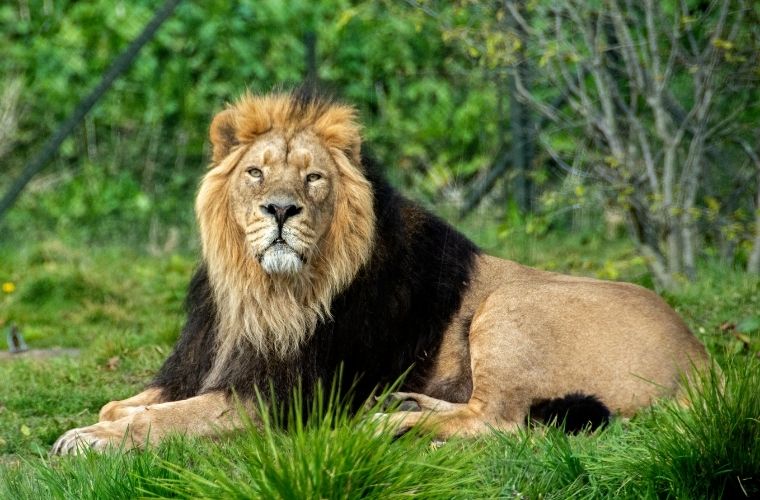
[577, 411]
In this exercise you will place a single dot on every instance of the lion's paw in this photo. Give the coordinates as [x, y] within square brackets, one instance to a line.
[395, 424]
[396, 402]
[98, 437]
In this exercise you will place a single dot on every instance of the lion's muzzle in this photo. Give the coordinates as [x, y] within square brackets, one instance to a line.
[281, 258]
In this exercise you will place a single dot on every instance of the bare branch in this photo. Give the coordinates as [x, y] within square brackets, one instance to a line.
[693, 46]
[627, 47]
[753, 263]
[518, 17]
[424, 8]
[550, 112]
[673, 35]
[562, 163]
[654, 49]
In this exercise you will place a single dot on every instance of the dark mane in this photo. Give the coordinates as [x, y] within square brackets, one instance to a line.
[309, 98]
[392, 316]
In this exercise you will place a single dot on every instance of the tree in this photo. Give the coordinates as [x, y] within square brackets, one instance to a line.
[9, 101]
[656, 94]
[520, 118]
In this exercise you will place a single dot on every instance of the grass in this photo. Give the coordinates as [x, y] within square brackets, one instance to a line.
[122, 308]
[709, 450]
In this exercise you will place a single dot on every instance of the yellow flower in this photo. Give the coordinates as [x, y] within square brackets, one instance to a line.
[9, 287]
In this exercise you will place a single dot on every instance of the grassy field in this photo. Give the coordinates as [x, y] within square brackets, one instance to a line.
[121, 307]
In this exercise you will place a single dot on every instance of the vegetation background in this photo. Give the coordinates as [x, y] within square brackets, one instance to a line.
[608, 138]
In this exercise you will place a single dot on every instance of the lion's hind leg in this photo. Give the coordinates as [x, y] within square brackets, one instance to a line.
[442, 418]
[460, 420]
[506, 372]
[422, 401]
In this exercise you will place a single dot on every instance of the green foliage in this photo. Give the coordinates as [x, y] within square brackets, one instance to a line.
[332, 455]
[709, 450]
[104, 204]
[627, 94]
[146, 138]
[116, 303]
[94, 477]
[430, 84]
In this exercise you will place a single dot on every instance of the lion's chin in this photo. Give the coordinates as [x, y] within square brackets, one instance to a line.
[281, 259]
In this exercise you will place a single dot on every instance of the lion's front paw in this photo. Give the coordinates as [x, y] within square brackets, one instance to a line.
[96, 437]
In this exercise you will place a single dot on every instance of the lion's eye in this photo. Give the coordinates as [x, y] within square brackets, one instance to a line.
[313, 177]
[254, 172]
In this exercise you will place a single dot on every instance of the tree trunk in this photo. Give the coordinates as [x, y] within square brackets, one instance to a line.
[520, 124]
[642, 232]
[674, 244]
[688, 237]
[310, 46]
[656, 264]
[753, 265]
[688, 224]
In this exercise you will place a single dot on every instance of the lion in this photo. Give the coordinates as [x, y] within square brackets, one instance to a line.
[312, 263]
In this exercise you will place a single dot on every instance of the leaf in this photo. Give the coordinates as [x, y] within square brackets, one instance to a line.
[612, 161]
[749, 324]
[25, 430]
[346, 17]
[723, 44]
[743, 339]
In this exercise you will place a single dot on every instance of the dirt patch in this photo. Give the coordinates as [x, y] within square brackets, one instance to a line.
[40, 353]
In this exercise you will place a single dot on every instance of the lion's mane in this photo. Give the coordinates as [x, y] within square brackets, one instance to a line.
[276, 313]
[388, 281]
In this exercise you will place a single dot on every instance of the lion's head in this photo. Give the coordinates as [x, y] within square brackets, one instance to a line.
[286, 216]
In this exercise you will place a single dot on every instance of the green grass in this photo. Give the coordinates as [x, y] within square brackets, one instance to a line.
[709, 450]
[123, 309]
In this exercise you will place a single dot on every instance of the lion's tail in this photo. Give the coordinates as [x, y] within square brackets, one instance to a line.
[576, 411]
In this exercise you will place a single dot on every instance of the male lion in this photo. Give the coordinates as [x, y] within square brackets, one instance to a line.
[312, 261]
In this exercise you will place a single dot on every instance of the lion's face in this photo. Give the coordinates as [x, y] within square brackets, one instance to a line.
[282, 197]
[286, 218]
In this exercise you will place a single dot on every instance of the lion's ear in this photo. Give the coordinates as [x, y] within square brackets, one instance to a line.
[223, 134]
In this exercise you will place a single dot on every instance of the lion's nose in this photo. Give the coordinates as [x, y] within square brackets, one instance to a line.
[281, 213]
